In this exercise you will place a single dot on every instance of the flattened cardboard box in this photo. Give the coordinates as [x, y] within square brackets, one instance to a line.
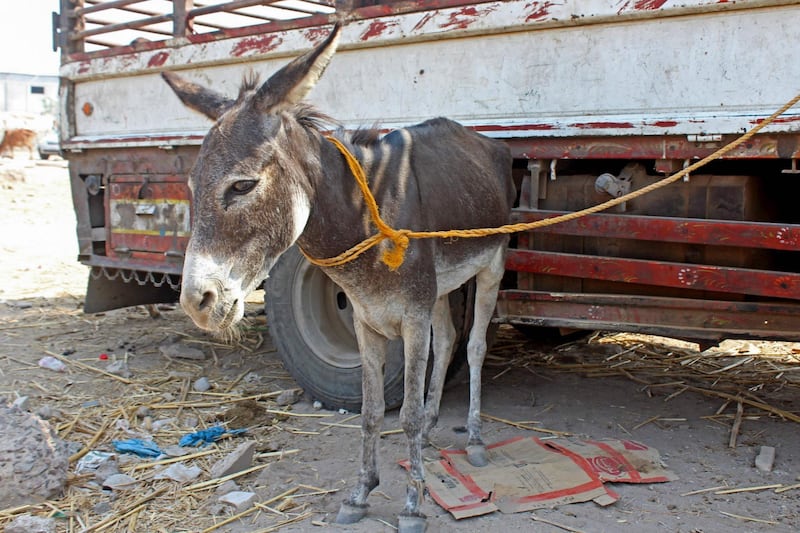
[526, 473]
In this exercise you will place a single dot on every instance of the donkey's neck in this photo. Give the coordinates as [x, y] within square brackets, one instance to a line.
[338, 218]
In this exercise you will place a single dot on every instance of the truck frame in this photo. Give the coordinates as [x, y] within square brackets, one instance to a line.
[593, 97]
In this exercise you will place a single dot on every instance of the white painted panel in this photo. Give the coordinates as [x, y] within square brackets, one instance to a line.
[714, 72]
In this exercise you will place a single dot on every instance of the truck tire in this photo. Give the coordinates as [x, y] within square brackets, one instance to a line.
[311, 324]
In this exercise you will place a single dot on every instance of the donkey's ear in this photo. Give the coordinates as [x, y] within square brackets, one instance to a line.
[206, 101]
[293, 82]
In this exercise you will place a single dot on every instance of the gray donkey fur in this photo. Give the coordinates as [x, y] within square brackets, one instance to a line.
[266, 178]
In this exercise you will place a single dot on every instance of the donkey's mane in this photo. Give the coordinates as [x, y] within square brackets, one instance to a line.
[250, 82]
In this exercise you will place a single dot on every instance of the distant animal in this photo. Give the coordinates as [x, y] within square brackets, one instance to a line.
[266, 177]
[18, 138]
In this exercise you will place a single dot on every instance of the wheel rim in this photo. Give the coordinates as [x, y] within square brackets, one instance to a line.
[324, 317]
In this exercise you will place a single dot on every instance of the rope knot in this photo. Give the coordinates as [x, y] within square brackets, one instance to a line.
[396, 254]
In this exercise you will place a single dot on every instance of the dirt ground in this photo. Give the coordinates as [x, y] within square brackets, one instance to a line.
[657, 391]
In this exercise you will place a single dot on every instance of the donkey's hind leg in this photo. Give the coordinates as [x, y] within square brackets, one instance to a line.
[444, 336]
[487, 286]
[373, 355]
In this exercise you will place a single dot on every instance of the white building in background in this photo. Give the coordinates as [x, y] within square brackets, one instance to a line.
[28, 101]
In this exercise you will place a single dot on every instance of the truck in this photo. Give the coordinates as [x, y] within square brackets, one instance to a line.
[594, 98]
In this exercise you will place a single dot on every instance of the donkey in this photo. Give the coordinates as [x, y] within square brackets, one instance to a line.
[266, 178]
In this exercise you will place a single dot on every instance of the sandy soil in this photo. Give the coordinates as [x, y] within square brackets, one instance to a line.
[543, 385]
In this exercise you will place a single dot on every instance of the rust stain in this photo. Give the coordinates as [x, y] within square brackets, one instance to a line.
[376, 29]
[260, 44]
[158, 59]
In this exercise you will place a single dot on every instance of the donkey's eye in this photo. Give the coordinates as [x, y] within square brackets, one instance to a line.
[243, 186]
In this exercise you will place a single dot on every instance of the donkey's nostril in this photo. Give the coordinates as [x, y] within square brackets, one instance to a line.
[208, 300]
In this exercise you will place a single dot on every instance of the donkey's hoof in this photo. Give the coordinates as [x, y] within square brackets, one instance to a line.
[411, 524]
[476, 455]
[350, 513]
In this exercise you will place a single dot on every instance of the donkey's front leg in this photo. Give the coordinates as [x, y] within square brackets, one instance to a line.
[416, 339]
[486, 288]
[373, 354]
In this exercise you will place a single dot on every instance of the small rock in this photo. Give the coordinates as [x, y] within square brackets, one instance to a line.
[181, 351]
[46, 412]
[215, 508]
[119, 368]
[317, 405]
[27, 523]
[120, 482]
[240, 500]
[22, 403]
[228, 486]
[101, 508]
[176, 451]
[765, 458]
[180, 473]
[239, 459]
[143, 411]
[288, 397]
[201, 384]
[159, 424]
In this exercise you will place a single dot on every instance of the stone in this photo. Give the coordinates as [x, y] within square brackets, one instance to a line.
[27, 523]
[765, 458]
[239, 459]
[180, 473]
[228, 486]
[239, 500]
[201, 384]
[181, 351]
[288, 397]
[119, 368]
[120, 482]
[101, 508]
[22, 403]
[34, 462]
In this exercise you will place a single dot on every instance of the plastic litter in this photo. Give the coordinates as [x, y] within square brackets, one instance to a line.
[51, 363]
[140, 447]
[205, 436]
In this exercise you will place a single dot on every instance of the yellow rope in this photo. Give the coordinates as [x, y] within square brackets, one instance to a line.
[394, 256]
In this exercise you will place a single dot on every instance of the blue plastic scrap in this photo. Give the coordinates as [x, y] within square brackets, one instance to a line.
[205, 436]
[142, 448]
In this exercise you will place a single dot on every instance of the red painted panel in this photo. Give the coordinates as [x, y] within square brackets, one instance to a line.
[147, 217]
[663, 274]
[661, 229]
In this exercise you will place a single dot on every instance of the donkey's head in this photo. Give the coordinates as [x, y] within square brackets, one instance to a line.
[250, 184]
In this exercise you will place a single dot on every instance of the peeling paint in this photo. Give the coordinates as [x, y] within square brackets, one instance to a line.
[538, 11]
[158, 59]
[376, 29]
[465, 17]
[600, 125]
[259, 44]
